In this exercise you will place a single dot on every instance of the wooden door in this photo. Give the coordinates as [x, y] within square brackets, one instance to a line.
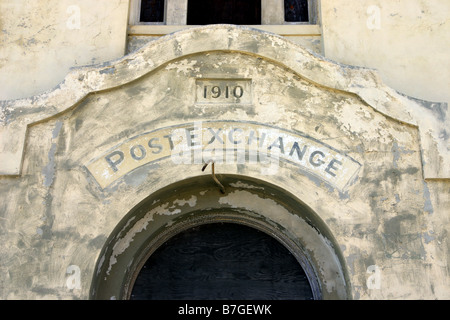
[222, 261]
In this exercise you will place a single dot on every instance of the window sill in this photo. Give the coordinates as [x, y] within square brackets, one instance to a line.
[158, 30]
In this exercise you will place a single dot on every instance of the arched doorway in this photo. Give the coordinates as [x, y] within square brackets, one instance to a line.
[197, 202]
[221, 261]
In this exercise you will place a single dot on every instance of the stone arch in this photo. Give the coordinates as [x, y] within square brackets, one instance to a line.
[198, 200]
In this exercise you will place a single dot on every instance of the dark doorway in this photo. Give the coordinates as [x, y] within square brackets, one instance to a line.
[201, 12]
[222, 261]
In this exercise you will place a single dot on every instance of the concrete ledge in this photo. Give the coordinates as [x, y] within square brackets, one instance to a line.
[283, 30]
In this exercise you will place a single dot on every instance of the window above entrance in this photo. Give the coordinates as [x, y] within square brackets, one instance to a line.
[151, 11]
[285, 17]
[201, 12]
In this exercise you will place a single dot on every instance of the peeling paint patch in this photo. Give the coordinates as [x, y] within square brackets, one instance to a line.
[428, 237]
[184, 66]
[243, 185]
[428, 206]
[57, 129]
[109, 70]
[49, 170]
[397, 152]
[191, 202]
[164, 209]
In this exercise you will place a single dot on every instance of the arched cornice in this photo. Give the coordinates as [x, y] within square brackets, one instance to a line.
[17, 115]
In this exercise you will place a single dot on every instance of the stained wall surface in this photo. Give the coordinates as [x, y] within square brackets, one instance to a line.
[42, 40]
[406, 41]
[370, 164]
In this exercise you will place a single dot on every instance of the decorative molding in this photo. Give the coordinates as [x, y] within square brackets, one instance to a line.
[17, 115]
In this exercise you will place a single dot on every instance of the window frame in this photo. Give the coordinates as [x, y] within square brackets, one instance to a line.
[312, 14]
[135, 12]
[272, 19]
[175, 13]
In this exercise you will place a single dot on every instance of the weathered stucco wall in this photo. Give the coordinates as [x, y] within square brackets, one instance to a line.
[358, 163]
[41, 40]
[406, 41]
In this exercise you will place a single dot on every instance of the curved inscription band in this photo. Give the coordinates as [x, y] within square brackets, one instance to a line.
[228, 142]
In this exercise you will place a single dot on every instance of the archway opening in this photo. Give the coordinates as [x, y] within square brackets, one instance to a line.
[221, 261]
[197, 201]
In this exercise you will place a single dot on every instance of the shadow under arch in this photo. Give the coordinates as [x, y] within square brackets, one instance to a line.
[198, 200]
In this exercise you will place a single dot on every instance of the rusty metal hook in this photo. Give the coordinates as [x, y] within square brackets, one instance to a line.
[222, 188]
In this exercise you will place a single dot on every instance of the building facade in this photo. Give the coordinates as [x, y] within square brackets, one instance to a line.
[128, 125]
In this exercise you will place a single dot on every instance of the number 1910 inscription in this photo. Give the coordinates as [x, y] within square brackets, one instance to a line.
[223, 91]
[216, 92]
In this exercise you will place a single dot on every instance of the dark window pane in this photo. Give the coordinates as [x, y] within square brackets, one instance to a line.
[202, 12]
[152, 11]
[296, 10]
